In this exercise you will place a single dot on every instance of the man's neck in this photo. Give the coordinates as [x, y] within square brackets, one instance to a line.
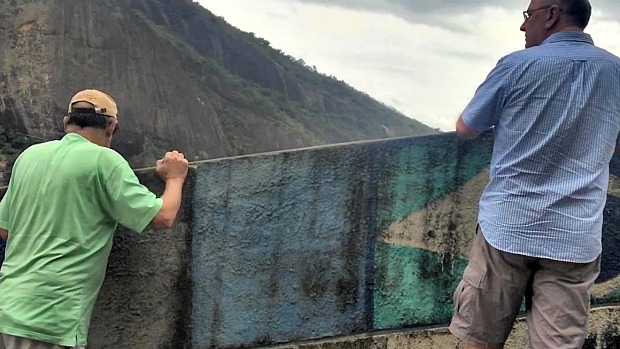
[93, 136]
[566, 28]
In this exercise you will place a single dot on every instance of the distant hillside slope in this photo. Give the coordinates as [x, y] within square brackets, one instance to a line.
[183, 79]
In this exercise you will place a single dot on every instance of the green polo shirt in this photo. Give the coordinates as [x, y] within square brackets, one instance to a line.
[61, 210]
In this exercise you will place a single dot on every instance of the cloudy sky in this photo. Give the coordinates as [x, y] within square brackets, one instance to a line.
[423, 57]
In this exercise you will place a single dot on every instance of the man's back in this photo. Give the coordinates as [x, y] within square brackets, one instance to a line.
[556, 114]
[555, 135]
[62, 199]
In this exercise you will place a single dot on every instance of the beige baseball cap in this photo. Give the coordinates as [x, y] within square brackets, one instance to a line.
[103, 103]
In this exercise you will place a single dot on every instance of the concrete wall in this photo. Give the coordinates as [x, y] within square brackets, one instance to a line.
[314, 243]
[604, 324]
[308, 244]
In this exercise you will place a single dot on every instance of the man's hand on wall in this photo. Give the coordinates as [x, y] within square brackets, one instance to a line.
[172, 166]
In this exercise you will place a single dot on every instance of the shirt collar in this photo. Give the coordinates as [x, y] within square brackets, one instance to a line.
[72, 136]
[569, 37]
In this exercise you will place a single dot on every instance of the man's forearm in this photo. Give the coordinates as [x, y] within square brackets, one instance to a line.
[172, 196]
[4, 234]
[171, 204]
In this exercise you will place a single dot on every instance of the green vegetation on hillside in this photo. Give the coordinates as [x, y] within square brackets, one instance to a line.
[184, 78]
[309, 120]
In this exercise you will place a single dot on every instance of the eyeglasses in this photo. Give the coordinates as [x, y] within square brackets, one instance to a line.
[527, 14]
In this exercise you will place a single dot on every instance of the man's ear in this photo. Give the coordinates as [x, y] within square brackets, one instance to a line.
[65, 123]
[109, 131]
[554, 17]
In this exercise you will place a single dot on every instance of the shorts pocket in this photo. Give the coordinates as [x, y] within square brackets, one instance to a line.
[467, 294]
[475, 275]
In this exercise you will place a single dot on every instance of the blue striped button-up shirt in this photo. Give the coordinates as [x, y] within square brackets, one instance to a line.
[555, 109]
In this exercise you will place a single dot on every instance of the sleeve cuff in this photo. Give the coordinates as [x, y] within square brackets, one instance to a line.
[149, 217]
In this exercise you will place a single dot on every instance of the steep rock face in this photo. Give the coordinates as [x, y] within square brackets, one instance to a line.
[183, 78]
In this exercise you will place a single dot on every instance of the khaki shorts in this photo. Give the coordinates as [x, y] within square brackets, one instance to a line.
[488, 299]
[12, 342]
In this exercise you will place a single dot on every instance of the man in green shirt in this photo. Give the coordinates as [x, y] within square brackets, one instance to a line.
[58, 216]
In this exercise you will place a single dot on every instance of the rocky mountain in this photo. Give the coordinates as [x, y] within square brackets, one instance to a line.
[183, 78]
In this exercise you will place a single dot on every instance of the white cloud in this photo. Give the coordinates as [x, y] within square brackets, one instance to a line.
[427, 71]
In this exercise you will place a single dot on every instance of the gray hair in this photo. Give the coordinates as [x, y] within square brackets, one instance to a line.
[577, 12]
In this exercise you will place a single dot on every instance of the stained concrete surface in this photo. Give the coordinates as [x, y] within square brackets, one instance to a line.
[414, 282]
[280, 247]
[604, 333]
[287, 246]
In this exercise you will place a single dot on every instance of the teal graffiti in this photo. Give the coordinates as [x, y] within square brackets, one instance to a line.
[426, 171]
[414, 286]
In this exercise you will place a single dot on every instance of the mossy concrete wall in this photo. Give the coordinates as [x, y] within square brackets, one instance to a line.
[314, 243]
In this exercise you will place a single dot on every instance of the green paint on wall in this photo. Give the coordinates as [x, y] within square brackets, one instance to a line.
[611, 297]
[414, 286]
[447, 164]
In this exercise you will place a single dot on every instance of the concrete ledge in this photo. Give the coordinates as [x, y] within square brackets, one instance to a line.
[604, 334]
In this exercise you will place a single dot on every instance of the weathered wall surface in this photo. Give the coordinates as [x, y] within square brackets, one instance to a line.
[314, 243]
[343, 240]
[307, 244]
[280, 247]
[145, 300]
[604, 334]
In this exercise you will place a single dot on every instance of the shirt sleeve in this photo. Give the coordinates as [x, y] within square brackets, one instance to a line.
[4, 209]
[484, 110]
[128, 201]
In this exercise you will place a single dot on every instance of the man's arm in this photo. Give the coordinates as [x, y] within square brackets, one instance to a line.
[131, 204]
[464, 131]
[173, 170]
[4, 214]
[484, 109]
[171, 205]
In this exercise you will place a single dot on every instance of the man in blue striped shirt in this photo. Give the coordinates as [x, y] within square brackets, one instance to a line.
[555, 111]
